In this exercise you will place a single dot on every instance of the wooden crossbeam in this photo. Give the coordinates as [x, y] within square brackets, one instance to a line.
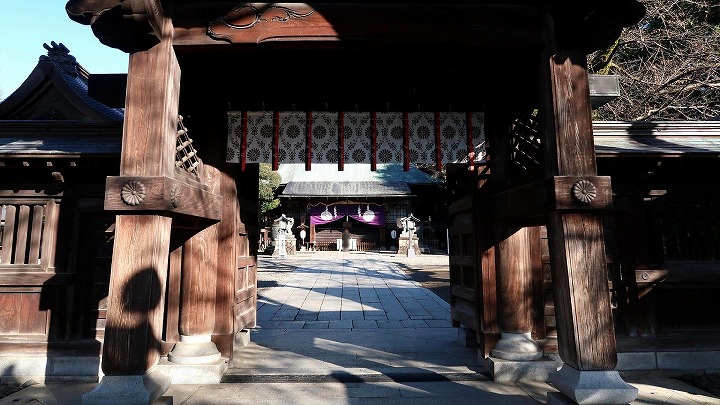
[161, 195]
[530, 203]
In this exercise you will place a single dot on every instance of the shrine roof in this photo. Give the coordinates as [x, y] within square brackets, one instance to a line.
[57, 89]
[656, 138]
[357, 180]
[59, 138]
[346, 189]
[328, 172]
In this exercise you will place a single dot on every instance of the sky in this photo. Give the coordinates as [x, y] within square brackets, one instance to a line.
[28, 24]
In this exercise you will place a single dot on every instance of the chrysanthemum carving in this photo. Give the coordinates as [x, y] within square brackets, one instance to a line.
[174, 195]
[583, 191]
[133, 192]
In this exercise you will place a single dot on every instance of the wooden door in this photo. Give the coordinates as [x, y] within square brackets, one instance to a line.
[95, 241]
[247, 244]
[472, 256]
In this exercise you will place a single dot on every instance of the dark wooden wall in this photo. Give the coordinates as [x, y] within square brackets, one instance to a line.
[662, 241]
[56, 248]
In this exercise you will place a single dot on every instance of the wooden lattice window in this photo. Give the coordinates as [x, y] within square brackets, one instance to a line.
[526, 152]
[22, 232]
[185, 156]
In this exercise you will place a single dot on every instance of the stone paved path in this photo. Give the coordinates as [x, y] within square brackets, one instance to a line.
[337, 290]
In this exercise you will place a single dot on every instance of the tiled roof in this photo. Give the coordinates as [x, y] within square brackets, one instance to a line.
[59, 138]
[328, 172]
[346, 189]
[657, 138]
[77, 78]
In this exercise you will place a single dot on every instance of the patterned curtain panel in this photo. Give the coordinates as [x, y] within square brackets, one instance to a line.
[478, 131]
[453, 137]
[234, 137]
[422, 137]
[371, 214]
[390, 136]
[358, 129]
[325, 137]
[357, 137]
[293, 137]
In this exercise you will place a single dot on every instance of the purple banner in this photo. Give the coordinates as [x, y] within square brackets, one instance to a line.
[371, 214]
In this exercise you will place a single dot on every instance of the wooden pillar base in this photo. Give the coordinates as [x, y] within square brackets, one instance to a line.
[591, 387]
[198, 349]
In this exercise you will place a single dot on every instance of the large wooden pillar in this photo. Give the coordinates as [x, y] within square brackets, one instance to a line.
[197, 290]
[586, 335]
[142, 241]
[514, 254]
[516, 251]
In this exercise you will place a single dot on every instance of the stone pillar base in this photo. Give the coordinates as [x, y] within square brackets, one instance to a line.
[128, 389]
[510, 370]
[516, 346]
[198, 349]
[592, 387]
[404, 246]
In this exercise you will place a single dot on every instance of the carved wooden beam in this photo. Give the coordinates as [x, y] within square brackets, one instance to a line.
[128, 25]
[530, 203]
[490, 25]
[161, 195]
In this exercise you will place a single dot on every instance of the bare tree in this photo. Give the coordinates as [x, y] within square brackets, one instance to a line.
[669, 64]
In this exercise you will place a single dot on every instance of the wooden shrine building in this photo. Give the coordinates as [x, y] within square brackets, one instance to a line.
[367, 202]
[182, 274]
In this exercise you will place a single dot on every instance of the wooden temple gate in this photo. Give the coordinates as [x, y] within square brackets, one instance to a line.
[201, 59]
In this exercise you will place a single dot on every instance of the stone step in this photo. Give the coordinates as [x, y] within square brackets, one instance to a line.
[346, 375]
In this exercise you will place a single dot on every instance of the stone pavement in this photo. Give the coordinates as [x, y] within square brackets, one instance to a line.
[353, 328]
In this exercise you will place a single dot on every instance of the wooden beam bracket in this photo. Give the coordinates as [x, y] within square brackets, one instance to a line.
[161, 195]
[581, 192]
[531, 202]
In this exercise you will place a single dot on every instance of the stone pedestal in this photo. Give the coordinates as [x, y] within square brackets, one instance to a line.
[194, 350]
[591, 387]
[404, 244]
[509, 370]
[128, 389]
[289, 246]
[517, 347]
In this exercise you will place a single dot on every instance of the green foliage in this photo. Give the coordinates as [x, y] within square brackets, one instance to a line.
[269, 182]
